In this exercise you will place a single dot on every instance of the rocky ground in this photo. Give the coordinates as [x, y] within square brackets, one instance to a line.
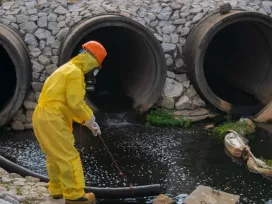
[15, 189]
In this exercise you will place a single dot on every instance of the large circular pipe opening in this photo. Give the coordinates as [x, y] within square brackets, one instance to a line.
[15, 77]
[229, 59]
[134, 71]
[7, 78]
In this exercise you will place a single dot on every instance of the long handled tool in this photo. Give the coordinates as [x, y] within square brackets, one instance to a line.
[116, 165]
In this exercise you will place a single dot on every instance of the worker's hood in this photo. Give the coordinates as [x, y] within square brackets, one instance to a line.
[85, 61]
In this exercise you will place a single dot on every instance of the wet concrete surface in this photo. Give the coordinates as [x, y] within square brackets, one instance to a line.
[178, 159]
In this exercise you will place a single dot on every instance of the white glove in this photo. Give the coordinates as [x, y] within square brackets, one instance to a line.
[93, 126]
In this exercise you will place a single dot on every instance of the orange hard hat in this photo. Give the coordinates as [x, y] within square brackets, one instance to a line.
[97, 50]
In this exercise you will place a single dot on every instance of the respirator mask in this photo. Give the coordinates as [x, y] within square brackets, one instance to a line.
[90, 77]
[91, 81]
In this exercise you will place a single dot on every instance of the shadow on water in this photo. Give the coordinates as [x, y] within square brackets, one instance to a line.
[178, 159]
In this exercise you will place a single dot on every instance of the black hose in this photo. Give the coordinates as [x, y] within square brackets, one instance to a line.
[125, 192]
[15, 168]
[106, 193]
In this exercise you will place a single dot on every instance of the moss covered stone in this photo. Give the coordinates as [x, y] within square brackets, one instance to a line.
[161, 117]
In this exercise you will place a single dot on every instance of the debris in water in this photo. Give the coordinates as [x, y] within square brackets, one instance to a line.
[259, 167]
[237, 147]
[204, 194]
[163, 199]
[209, 127]
[234, 144]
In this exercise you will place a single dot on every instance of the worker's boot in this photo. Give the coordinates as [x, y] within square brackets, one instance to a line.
[88, 198]
[57, 196]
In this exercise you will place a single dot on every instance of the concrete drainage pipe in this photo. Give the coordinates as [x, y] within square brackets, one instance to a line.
[134, 71]
[15, 74]
[229, 60]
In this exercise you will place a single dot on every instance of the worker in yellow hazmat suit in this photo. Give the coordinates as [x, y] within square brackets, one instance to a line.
[62, 101]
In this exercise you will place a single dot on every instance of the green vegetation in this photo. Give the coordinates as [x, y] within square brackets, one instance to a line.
[6, 186]
[19, 191]
[268, 162]
[241, 127]
[161, 117]
[27, 201]
[2, 1]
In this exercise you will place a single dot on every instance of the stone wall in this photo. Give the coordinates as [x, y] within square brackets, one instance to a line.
[44, 25]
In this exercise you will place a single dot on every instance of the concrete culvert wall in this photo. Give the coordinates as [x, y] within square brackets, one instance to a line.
[15, 76]
[133, 75]
[134, 72]
[229, 58]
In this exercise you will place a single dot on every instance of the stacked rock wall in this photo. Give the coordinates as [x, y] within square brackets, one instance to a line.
[44, 25]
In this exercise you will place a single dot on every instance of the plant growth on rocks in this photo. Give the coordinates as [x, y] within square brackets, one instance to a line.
[161, 117]
[242, 127]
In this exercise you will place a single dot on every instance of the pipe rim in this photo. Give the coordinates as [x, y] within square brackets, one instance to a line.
[102, 21]
[233, 17]
[17, 50]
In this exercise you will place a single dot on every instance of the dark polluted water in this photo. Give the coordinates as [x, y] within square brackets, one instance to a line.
[178, 159]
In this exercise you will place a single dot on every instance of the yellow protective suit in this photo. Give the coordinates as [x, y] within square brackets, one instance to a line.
[62, 101]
